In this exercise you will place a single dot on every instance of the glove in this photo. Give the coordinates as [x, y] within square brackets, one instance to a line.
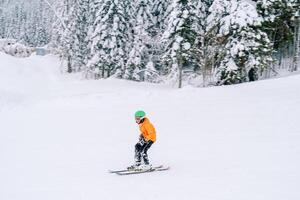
[142, 140]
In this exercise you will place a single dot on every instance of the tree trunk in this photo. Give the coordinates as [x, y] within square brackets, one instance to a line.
[180, 72]
[296, 45]
[69, 64]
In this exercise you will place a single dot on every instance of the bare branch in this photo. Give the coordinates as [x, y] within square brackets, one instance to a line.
[55, 13]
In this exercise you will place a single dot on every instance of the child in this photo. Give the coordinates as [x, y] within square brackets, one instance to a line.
[146, 139]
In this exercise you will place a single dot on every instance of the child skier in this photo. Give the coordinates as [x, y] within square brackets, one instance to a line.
[146, 139]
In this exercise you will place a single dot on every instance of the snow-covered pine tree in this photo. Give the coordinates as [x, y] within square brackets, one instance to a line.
[240, 43]
[110, 39]
[31, 33]
[62, 39]
[58, 24]
[296, 59]
[199, 50]
[160, 11]
[180, 38]
[140, 53]
[24, 24]
[79, 51]
[90, 70]
[160, 14]
[13, 24]
[2, 19]
[42, 20]
[278, 24]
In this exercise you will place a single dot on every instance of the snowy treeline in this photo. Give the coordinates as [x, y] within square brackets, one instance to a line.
[27, 21]
[221, 41]
[214, 41]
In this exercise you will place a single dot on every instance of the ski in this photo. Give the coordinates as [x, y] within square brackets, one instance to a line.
[126, 170]
[154, 169]
[117, 171]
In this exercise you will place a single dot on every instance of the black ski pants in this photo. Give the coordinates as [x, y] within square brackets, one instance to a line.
[141, 149]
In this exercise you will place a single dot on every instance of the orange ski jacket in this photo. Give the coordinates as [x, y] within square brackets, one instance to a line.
[148, 130]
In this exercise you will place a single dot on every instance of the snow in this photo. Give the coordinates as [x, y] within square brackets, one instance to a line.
[242, 14]
[186, 46]
[185, 14]
[60, 135]
[231, 65]
[16, 49]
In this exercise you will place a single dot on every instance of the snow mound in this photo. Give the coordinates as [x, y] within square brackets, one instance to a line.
[15, 49]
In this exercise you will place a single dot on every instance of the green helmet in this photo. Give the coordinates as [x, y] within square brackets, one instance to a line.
[140, 114]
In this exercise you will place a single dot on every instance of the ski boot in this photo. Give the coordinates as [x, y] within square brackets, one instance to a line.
[134, 167]
[144, 167]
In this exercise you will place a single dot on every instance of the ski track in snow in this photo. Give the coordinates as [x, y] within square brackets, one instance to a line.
[60, 135]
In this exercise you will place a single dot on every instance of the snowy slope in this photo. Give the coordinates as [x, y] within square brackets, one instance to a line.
[59, 135]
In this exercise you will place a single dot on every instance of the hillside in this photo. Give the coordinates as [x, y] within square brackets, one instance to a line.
[59, 136]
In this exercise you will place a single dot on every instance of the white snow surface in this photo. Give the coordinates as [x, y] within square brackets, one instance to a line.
[60, 135]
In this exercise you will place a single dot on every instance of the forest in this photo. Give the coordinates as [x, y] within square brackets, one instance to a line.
[202, 42]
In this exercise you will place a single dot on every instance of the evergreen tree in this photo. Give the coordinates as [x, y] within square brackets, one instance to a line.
[62, 35]
[109, 41]
[296, 59]
[240, 42]
[160, 11]
[79, 51]
[140, 53]
[277, 15]
[160, 14]
[43, 20]
[180, 38]
[199, 25]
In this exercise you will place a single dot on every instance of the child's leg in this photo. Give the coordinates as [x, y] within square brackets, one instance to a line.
[138, 153]
[144, 152]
